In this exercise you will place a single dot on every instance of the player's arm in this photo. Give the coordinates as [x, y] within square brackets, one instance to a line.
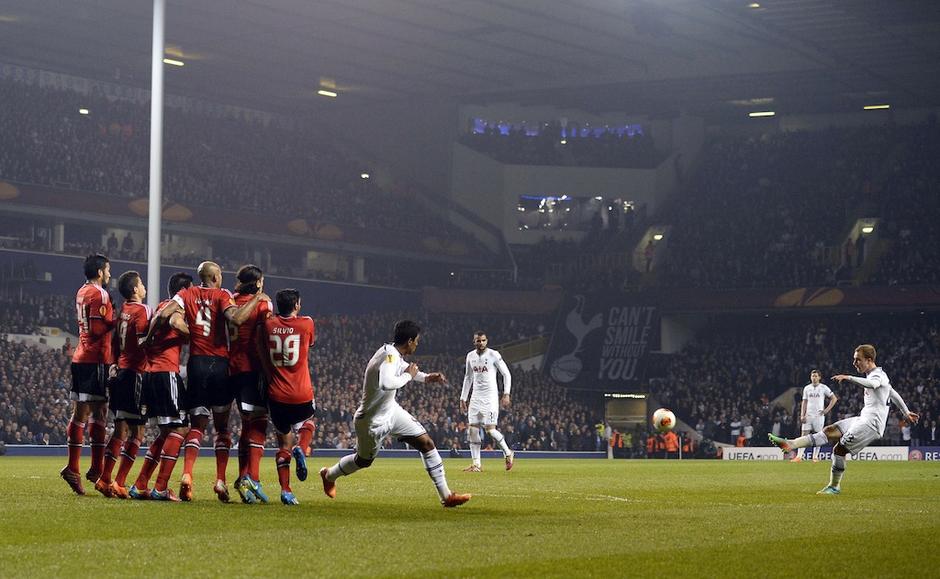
[177, 322]
[902, 406]
[237, 315]
[872, 383]
[832, 402]
[467, 382]
[507, 381]
[390, 378]
[803, 411]
[264, 355]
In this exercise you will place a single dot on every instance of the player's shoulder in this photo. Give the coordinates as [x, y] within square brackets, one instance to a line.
[495, 354]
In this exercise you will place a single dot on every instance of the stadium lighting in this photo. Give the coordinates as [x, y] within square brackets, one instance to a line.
[876, 107]
[363, 175]
[761, 114]
[868, 229]
[326, 93]
[753, 5]
[173, 62]
[83, 111]
[658, 237]
[598, 198]
[564, 141]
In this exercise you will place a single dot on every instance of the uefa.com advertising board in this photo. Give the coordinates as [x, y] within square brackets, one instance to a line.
[825, 453]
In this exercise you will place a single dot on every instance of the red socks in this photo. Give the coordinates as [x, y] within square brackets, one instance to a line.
[223, 443]
[131, 448]
[257, 430]
[98, 433]
[304, 436]
[171, 451]
[151, 459]
[111, 453]
[283, 468]
[75, 434]
[192, 450]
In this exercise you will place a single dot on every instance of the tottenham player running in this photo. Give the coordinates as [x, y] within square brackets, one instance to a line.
[125, 385]
[245, 375]
[854, 434]
[206, 309]
[90, 372]
[163, 393]
[812, 413]
[480, 377]
[379, 415]
[287, 339]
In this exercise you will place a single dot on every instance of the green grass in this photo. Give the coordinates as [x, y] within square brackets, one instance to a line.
[545, 518]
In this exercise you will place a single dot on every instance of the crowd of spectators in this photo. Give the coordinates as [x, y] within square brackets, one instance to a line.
[724, 382]
[552, 144]
[209, 160]
[767, 211]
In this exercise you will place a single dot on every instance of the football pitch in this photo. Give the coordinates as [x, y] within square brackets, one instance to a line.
[545, 518]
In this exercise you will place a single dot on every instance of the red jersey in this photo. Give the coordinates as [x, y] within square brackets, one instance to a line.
[95, 322]
[243, 349]
[163, 354]
[289, 340]
[133, 325]
[203, 309]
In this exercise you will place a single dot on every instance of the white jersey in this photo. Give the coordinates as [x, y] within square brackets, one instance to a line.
[877, 393]
[384, 375]
[481, 375]
[815, 398]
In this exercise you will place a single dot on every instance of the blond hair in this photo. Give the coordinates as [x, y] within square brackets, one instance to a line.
[867, 351]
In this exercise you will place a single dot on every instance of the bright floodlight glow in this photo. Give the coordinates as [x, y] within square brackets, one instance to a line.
[364, 175]
[326, 93]
[173, 62]
[83, 111]
[598, 198]
[876, 107]
[564, 141]
[762, 114]
[658, 237]
[753, 5]
[868, 229]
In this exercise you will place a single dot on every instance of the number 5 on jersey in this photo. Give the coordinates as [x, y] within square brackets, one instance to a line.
[284, 351]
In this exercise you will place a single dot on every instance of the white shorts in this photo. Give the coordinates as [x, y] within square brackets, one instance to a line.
[856, 434]
[814, 424]
[486, 414]
[370, 434]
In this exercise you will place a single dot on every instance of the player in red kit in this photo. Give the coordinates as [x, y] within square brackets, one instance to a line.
[288, 338]
[90, 371]
[245, 375]
[163, 390]
[207, 310]
[125, 385]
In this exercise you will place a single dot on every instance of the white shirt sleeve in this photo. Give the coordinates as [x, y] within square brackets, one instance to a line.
[896, 399]
[391, 376]
[876, 381]
[467, 381]
[828, 393]
[504, 371]
[805, 391]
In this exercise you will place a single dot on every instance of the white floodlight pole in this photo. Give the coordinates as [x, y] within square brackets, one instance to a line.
[156, 156]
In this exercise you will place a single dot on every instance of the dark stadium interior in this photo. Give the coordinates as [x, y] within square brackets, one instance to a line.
[767, 245]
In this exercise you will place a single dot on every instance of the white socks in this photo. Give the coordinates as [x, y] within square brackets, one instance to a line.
[818, 439]
[345, 467]
[435, 467]
[500, 440]
[476, 443]
[838, 469]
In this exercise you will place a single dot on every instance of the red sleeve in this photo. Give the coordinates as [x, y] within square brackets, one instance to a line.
[313, 332]
[98, 322]
[224, 300]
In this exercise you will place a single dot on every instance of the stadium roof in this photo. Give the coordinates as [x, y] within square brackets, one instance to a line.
[644, 57]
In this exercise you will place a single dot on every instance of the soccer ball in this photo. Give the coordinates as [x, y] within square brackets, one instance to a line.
[664, 420]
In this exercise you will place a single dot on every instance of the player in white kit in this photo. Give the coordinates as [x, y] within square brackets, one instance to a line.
[480, 378]
[854, 434]
[812, 413]
[379, 415]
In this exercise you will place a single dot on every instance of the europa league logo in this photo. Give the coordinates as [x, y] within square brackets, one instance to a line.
[566, 368]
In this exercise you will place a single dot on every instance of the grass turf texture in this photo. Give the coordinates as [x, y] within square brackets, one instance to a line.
[545, 518]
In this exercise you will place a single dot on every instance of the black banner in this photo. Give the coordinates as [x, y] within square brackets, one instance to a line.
[602, 342]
